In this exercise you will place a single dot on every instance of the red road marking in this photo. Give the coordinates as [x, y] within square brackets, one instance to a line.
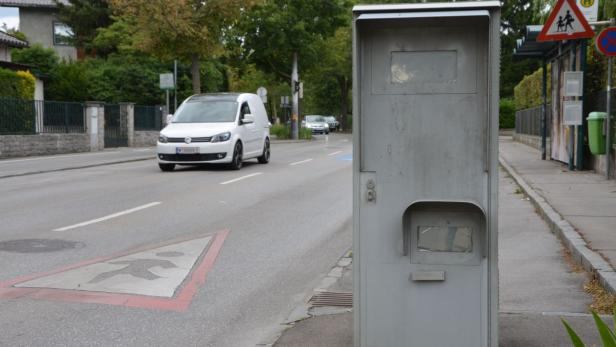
[179, 302]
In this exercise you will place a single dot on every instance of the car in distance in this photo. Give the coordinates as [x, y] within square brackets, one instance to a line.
[225, 128]
[334, 125]
[317, 124]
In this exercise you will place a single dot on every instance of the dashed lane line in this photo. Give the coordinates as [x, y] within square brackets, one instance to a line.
[241, 178]
[114, 215]
[334, 153]
[301, 162]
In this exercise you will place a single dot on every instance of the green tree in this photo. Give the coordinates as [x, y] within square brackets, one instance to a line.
[274, 31]
[85, 17]
[70, 81]
[44, 60]
[515, 16]
[117, 37]
[328, 84]
[186, 29]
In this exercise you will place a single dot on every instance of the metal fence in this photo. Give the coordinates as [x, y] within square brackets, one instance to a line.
[148, 117]
[60, 117]
[37, 116]
[528, 121]
[17, 116]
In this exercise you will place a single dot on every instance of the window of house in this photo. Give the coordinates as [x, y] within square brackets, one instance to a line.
[62, 34]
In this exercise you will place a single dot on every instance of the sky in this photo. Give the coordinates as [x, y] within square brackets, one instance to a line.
[10, 16]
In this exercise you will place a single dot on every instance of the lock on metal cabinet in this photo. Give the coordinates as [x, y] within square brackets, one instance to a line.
[425, 174]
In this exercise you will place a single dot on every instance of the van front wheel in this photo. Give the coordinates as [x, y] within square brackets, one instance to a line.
[236, 162]
[265, 157]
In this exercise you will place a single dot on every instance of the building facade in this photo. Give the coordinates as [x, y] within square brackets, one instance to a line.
[38, 21]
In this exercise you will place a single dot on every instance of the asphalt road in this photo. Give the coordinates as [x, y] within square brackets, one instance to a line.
[43, 164]
[288, 222]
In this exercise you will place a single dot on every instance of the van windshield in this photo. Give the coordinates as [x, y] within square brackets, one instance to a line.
[211, 111]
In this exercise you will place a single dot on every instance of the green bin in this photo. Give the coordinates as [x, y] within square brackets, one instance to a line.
[596, 136]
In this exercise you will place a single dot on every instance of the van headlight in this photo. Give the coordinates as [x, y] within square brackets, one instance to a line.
[162, 138]
[221, 137]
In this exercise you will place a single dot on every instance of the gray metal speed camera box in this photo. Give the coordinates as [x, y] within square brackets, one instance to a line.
[425, 128]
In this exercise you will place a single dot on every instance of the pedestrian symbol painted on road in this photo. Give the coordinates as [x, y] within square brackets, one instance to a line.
[565, 22]
[162, 276]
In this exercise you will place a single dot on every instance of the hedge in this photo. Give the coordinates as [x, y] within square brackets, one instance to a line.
[19, 85]
[507, 114]
[527, 93]
[17, 112]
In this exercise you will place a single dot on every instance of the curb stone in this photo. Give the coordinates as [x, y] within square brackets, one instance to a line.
[581, 253]
[305, 310]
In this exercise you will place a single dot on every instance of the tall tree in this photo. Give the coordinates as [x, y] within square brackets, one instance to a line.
[278, 29]
[84, 17]
[185, 29]
[516, 15]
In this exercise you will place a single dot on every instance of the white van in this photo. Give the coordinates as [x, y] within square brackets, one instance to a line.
[215, 128]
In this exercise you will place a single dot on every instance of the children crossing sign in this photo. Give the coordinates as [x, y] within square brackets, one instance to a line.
[566, 22]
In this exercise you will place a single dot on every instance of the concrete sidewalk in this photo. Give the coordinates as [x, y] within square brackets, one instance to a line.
[579, 206]
[41, 164]
[537, 287]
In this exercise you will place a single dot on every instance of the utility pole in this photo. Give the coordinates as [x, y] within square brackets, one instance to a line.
[295, 91]
[608, 120]
[175, 85]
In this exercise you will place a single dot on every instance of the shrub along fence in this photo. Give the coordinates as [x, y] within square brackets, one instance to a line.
[22, 117]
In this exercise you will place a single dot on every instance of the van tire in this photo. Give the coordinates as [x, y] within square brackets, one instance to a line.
[265, 157]
[166, 167]
[236, 161]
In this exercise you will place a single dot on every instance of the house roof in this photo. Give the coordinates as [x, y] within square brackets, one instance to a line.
[11, 41]
[32, 3]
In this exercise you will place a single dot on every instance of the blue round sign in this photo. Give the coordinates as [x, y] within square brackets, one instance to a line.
[606, 42]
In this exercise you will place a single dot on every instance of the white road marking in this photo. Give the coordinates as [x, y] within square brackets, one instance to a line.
[300, 162]
[114, 215]
[344, 140]
[154, 272]
[242, 178]
[336, 152]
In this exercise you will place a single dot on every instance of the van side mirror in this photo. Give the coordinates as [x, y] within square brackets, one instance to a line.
[248, 119]
[169, 118]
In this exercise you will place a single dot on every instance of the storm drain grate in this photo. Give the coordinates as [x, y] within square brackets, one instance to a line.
[344, 299]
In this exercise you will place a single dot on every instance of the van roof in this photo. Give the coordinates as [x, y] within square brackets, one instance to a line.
[217, 96]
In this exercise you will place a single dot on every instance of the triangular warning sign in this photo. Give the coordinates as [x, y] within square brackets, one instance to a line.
[162, 276]
[566, 22]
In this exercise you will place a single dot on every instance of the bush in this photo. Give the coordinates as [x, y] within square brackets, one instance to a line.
[528, 92]
[281, 131]
[506, 114]
[70, 82]
[18, 85]
[43, 59]
[607, 335]
[305, 134]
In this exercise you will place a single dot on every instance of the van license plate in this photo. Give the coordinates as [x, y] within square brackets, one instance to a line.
[186, 150]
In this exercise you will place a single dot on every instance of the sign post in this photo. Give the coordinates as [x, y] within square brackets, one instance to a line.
[606, 44]
[166, 83]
